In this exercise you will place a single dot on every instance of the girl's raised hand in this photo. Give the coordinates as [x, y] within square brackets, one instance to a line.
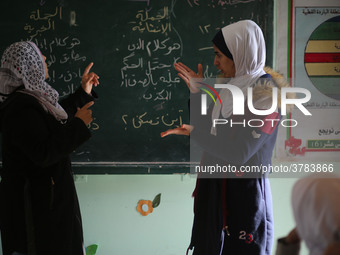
[89, 79]
[188, 75]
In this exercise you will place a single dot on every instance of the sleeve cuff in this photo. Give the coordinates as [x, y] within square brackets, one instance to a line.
[86, 96]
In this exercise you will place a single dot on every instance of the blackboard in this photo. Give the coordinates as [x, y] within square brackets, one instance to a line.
[133, 44]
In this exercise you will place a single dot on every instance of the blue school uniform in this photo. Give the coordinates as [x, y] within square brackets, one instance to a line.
[233, 212]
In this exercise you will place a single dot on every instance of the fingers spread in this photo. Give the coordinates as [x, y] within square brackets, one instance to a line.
[186, 79]
[184, 67]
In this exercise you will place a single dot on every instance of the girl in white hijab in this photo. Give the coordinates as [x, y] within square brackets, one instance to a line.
[233, 213]
[248, 50]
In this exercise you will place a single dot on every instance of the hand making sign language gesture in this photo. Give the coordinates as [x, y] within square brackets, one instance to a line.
[89, 79]
[188, 77]
[242, 221]
[87, 82]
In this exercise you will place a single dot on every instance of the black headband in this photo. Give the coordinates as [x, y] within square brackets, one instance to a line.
[219, 41]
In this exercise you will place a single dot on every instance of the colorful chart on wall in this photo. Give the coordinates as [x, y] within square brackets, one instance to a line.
[314, 65]
[322, 58]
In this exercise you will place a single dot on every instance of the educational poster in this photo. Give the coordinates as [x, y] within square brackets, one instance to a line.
[313, 64]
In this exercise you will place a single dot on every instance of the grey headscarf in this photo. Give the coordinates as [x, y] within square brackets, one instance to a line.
[22, 64]
[316, 207]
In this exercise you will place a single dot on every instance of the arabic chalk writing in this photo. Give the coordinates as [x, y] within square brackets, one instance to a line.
[133, 45]
[41, 22]
[67, 56]
[145, 119]
[59, 51]
[145, 22]
[93, 125]
[148, 63]
[153, 46]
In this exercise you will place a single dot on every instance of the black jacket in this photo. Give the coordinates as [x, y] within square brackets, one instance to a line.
[39, 205]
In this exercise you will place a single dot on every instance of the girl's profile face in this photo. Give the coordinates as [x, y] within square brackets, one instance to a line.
[224, 64]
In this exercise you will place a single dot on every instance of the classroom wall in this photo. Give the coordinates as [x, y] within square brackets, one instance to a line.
[111, 220]
[108, 204]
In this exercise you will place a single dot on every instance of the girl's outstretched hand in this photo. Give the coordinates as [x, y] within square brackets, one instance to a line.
[183, 130]
[187, 75]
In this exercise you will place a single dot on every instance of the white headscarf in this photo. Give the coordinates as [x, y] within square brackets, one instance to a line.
[22, 64]
[316, 207]
[245, 41]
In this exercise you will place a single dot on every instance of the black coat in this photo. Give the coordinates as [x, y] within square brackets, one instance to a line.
[39, 204]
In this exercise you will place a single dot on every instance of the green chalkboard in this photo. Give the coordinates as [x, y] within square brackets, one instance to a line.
[133, 45]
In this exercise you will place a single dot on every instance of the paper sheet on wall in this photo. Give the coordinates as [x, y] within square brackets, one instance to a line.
[313, 63]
